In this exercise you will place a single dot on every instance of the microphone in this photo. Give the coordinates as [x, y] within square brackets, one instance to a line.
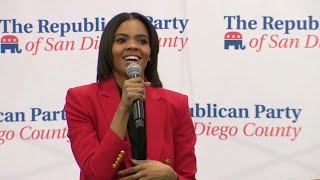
[133, 71]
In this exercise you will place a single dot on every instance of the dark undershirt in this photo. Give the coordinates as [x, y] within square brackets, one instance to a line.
[136, 148]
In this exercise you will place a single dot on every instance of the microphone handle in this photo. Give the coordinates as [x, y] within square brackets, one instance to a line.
[138, 112]
[138, 108]
[139, 121]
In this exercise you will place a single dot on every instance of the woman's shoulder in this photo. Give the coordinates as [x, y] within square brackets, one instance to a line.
[171, 92]
[171, 95]
[85, 87]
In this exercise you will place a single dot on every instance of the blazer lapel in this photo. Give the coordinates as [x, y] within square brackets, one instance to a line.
[110, 98]
[155, 116]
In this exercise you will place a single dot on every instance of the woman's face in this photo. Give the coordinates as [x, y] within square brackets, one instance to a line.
[131, 45]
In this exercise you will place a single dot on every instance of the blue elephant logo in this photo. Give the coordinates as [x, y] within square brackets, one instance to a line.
[10, 42]
[233, 39]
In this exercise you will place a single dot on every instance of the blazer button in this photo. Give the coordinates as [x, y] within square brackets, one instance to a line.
[116, 163]
[122, 152]
[114, 166]
[167, 161]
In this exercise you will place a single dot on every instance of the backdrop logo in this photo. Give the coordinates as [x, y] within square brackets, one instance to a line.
[44, 35]
[29, 131]
[233, 39]
[10, 43]
[271, 33]
[252, 121]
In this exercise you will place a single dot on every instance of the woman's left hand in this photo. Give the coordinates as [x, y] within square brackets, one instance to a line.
[147, 170]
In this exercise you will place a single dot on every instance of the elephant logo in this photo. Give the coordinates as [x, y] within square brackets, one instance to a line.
[233, 39]
[10, 42]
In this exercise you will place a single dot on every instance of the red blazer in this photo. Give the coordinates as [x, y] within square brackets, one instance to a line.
[100, 153]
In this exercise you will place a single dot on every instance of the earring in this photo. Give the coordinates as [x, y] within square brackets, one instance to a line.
[149, 59]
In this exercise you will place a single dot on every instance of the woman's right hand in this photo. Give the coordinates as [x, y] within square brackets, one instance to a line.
[133, 89]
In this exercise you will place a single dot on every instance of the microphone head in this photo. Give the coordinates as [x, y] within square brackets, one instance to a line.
[133, 68]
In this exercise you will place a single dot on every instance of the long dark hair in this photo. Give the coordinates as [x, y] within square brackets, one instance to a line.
[105, 62]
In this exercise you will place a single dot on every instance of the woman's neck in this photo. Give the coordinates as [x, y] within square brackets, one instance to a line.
[119, 80]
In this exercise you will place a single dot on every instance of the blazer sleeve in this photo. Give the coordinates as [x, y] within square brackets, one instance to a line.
[184, 141]
[95, 157]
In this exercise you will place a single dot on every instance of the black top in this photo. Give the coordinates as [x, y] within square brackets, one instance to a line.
[138, 145]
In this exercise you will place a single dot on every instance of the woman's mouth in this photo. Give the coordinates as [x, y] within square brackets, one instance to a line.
[132, 58]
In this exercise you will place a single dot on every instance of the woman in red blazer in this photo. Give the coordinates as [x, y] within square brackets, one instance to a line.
[98, 114]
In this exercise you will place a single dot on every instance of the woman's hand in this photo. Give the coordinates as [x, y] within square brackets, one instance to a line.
[133, 89]
[148, 170]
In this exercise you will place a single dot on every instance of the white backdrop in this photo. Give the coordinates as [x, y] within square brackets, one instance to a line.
[237, 96]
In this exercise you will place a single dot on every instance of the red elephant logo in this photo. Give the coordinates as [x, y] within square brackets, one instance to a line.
[10, 42]
[233, 39]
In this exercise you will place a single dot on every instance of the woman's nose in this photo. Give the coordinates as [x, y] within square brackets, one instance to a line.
[132, 45]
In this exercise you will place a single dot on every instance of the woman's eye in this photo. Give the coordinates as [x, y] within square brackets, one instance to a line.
[120, 40]
[142, 41]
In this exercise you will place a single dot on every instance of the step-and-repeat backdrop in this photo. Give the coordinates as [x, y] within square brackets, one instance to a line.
[251, 70]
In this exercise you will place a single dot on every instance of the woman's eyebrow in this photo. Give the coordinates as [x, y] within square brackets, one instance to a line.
[137, 35]
[121, 34]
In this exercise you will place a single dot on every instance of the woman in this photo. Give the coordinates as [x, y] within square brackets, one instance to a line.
[98, 115]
